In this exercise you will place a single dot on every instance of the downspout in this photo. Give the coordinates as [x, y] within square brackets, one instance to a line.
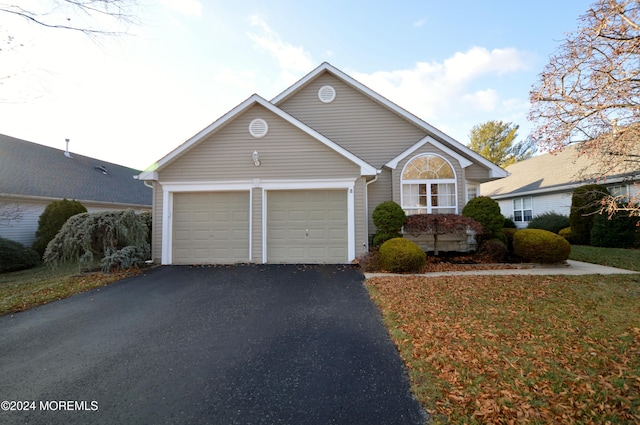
[366, 207]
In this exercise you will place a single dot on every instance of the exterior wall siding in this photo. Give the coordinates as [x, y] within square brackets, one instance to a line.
[24, 229]
[285, 153]
[353, 120]
[555, 202]
[156, 235]
[379, 192]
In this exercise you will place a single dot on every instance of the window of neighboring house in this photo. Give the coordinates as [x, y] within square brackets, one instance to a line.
[472, 191]
[522, 211]
[620, 191]
[428, 186]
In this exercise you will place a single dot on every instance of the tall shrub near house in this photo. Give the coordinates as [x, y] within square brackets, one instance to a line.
[485, 211]
[617, 231]
[388, 217]
[52, 219]
[586, 202]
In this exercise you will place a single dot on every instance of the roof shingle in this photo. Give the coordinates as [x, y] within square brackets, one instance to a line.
[30, 169]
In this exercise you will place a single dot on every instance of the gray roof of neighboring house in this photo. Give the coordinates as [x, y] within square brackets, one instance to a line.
[30, 169]
[546, 173]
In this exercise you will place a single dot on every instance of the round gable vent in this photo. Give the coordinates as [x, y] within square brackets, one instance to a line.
[258, 128]
[326, 94]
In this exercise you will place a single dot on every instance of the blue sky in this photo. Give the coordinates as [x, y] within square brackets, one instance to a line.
[132, 99]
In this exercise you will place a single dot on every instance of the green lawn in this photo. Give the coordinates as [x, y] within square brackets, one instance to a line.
[29, 288]
[614, 257]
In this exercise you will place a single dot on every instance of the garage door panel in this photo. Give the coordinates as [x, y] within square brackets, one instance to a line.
[307, 226]
[210, 227]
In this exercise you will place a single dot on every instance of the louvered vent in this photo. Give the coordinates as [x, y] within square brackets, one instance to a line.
[327, 94]
[258, 128]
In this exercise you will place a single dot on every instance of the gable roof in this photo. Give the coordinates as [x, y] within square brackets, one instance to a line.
[33, 170]
[151, 174]
[548, 172]
[495, 170]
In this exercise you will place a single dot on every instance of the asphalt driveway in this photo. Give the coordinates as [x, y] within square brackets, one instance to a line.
[253, 344]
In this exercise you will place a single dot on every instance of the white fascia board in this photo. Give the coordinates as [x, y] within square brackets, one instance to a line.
[148, 175]
[464, 162]
[495, 170]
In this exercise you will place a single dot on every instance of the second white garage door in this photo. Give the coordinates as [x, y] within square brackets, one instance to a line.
[210, 227]
[307, 226]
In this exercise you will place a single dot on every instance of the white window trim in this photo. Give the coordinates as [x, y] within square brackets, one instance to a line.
[428, 182]
[522, 210]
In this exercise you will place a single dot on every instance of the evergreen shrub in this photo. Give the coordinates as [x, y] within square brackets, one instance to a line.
[52, 219]
[508, 232]
[485, 211]
[586, 202]
[615, 232]
[540, 246]
[113, 239]
[400, 255]
[567, 234]
[509, 224]
[550, 221]
[14, 256]
[388, 217]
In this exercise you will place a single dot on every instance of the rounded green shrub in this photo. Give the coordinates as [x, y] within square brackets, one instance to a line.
[586, 201]
[485, 211]
[401, 255]
[14, 256]
[388, 217]
[550, 221]
[567, 234]
[51, 220]
[540, 246]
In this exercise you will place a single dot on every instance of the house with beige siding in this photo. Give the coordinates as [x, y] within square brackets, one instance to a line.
[545, 183]
[296, 179]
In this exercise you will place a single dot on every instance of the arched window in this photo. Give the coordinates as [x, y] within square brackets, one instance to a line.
[428, 186]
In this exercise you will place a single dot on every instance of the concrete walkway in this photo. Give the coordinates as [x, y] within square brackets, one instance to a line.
[569, 267]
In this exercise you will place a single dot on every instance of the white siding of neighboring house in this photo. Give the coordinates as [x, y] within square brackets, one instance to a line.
[24, 229]
[554, 202]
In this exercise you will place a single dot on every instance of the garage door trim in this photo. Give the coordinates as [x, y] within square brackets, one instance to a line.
[347, 184]
[168, 189]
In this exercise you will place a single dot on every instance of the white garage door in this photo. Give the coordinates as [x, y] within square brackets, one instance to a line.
[307, 226]
[210, 227]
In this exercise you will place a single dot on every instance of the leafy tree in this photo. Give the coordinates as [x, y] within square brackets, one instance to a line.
[52, 219]
[495, 141]
[589, 92]
[440, 224]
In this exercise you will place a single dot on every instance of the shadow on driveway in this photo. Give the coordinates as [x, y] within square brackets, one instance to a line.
[249, 344]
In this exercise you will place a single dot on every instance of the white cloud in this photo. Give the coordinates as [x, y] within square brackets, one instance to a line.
[419, 23]
[184, 7]
[294, 61]
[450, 94]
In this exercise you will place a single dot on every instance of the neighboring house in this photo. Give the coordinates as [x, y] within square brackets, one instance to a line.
[32, 176]
[296, 179]
[545, 183]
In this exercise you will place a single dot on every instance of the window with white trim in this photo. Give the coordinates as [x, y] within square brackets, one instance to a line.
[428, 186]
[472, 191]
[522, 210]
